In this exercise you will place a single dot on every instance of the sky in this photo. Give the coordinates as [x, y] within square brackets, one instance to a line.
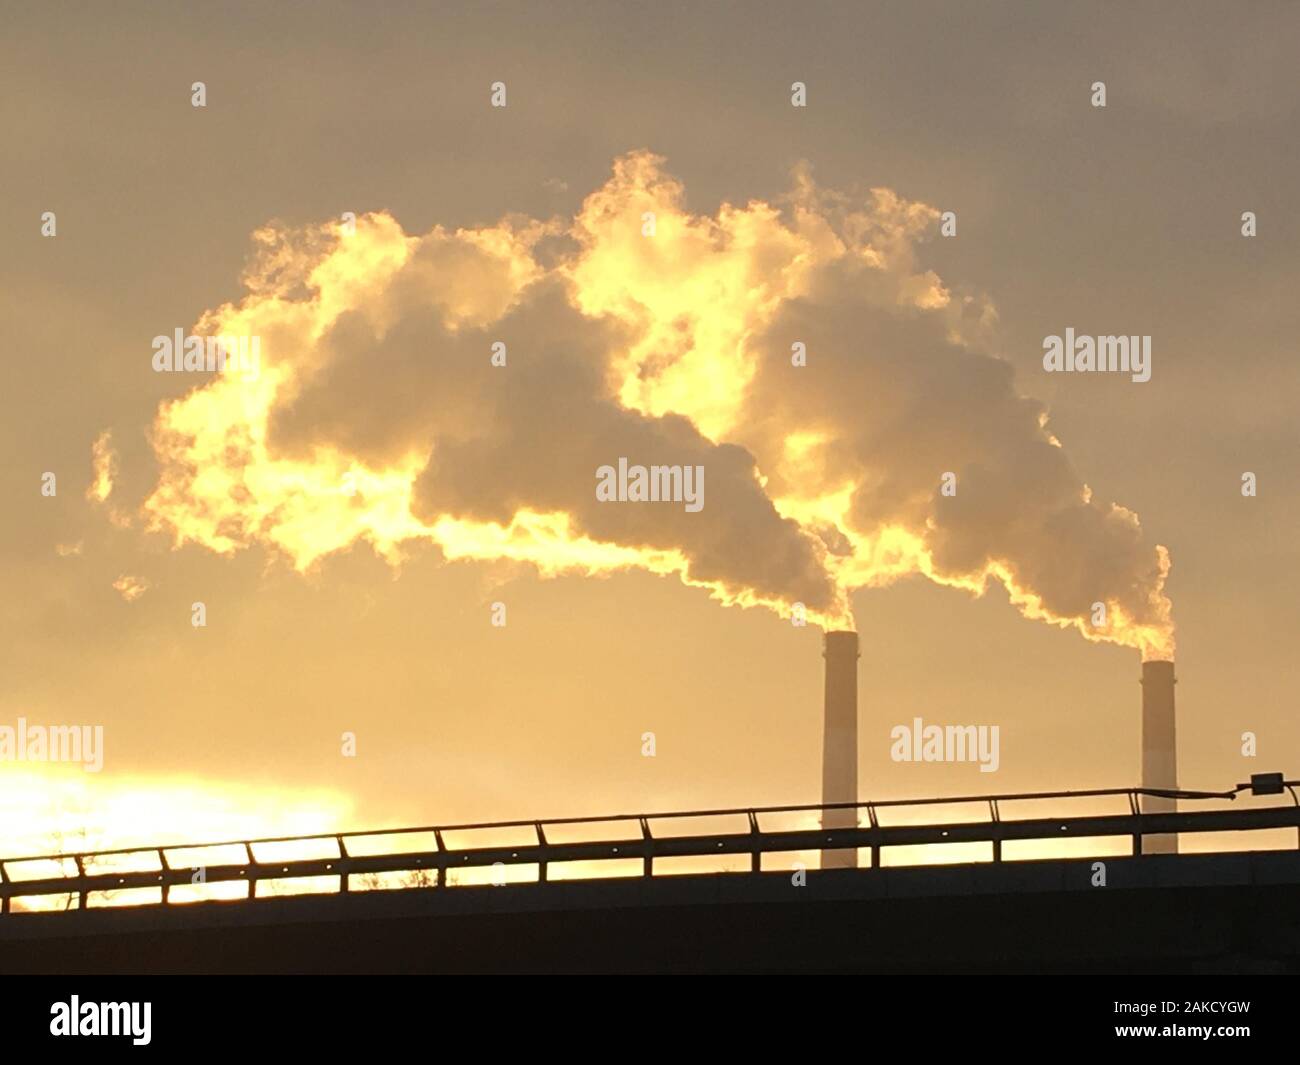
[350, 516]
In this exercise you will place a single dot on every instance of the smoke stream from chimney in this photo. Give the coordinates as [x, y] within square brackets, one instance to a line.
[842, 400]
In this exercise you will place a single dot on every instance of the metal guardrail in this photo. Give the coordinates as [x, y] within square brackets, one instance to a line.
[755, 842]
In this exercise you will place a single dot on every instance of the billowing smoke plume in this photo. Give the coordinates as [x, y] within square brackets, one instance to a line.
[639, 330]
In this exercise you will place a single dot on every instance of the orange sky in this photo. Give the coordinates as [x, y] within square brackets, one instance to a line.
[350, 515]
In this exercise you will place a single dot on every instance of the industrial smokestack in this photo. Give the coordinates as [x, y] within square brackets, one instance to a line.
[1159, 747]
[840, 741]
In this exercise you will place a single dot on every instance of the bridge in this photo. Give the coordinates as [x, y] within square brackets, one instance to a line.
[538, 896]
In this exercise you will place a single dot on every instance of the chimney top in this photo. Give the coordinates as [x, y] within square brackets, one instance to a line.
[842, 642]
[1158, 671]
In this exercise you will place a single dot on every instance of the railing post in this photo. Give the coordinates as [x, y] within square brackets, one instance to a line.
[166, 875]
[343, 863]
[442, 863]
[647, 846]
[1136, 810]
[83, 896]
[252, 876]
[541, 864]
[997, 837]
[756, 854]
[1289, 789]
[875, 835]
